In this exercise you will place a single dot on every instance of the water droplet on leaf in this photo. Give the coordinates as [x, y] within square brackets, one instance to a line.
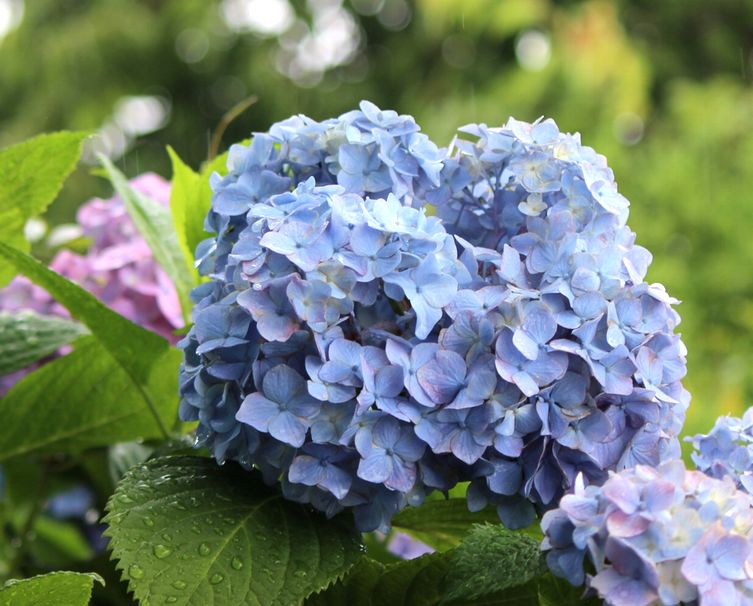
[161, 551]
[204, 549]
[216, 578]
[135, 571]
[236, 563]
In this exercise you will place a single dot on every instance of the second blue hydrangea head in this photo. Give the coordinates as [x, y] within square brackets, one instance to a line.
[660, 535]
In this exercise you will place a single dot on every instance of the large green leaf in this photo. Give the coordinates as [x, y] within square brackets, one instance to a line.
[492, 566]
[68, 588]
[491, 559]
[417, 582]
[31, 175]
[84, 400]
[553, 591]
[156, 226]
[356, 588]
[144, 363]
[26, 337]
[190, 199]
[188, 532]
[441, 524]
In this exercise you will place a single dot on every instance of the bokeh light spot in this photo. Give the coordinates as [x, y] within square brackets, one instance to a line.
[533, 50]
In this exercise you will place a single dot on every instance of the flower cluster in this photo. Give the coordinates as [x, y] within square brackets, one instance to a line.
[385, 318]
[118, 269]
[656, 536]
[727, 450]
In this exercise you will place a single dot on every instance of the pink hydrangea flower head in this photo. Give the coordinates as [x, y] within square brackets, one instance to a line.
[118, 268]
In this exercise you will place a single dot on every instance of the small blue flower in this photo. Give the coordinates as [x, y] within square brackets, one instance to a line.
[727, 450]
[389, 452]
[320, 465]
[283, 408]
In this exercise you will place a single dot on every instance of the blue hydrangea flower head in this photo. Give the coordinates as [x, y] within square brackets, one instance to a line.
[385, 318]
[727, 450]
[661, 535]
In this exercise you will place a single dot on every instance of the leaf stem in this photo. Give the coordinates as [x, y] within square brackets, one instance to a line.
[225, 121]
[28, 526]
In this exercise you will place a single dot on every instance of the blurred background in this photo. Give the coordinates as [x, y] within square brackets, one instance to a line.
[663, 89]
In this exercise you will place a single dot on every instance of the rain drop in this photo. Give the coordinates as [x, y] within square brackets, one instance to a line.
[135, 571]
[204, 549]
[179, 584]
[148, 522]
[161, 551]
[216, 578]
[236, 563]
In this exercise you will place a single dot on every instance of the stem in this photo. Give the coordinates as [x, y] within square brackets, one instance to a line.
[227, 118]
[36, 509]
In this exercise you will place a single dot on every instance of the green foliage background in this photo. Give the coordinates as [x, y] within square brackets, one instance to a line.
[663, 89]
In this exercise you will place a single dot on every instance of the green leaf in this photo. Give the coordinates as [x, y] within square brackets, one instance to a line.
[521, 595]
[26, 337]
[185, 528]
[156, 226]
[144, 363]
[124, 455]
[69, 588]
[190, 199]
[58, 543]
[31, 175]
[491, 559]
[355, 589]
[441, 524]
[84, 400]
[417, 582]
[553, 591]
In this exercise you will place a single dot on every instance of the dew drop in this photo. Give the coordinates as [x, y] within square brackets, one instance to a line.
[171, 599]
[301, 574]
[204, 549]
[167, 537]
[161, 551]
[148, 522]
[180, 584]
[216, 578]
[236, 563]
[135, 571]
